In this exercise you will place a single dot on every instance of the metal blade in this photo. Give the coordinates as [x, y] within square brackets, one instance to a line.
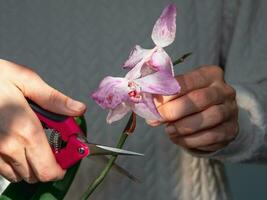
[96, 149]
[116, 167]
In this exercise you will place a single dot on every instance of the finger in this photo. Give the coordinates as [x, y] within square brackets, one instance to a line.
[13, 153]
[212, 148]
[21, 166]
[193, 102]
[208, 118]
[33, 87]
[43, 164]
[223, 133]
[194, 80]
[8, 172]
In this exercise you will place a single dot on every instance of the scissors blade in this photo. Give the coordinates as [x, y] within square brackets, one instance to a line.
[96, 149]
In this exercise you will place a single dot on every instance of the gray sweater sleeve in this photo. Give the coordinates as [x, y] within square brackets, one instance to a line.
[246, 71]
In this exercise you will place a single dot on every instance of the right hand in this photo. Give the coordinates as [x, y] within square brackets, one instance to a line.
[24, 149]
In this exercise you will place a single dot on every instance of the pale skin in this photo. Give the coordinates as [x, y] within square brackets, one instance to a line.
[24, 150]
[203, 116]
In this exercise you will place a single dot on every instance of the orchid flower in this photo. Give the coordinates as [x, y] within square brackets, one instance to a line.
[151, 72]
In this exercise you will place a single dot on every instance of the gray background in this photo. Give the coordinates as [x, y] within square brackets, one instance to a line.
[73, 45]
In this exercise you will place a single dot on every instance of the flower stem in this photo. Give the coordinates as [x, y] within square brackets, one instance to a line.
[181, 59]
[129, 128]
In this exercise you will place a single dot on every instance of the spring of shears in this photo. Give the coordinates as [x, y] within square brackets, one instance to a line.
[54, 139]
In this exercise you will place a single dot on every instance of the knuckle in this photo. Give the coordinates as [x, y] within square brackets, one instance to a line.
[28, 74]
[213, 138]
[55, 96]
[214, 70]
[230, 92]
[232, 130]
[204, 68]
[183, 130]
[200, 76]
[199, 97]
[9, 148]
[234, 110]
[217, 71]
[27, 132]
[219, 114]
[186, 143]
[191, 81]
[216, 95]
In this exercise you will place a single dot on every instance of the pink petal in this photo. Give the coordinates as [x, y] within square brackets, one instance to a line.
[141, 68]
[111, 92]
[136, 55]
[163, 33]
[159, 83]
[135, 72]
[161, 61]
[118, 113]
[147, 108]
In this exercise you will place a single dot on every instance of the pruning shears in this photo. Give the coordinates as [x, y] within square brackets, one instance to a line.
[67, 140]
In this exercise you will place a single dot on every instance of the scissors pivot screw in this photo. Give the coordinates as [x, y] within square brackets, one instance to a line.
[81, 150]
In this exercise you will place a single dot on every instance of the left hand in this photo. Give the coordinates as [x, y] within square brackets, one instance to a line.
[203, 116]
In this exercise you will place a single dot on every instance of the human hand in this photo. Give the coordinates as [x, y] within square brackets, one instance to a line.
[203, 116]
[24, 149]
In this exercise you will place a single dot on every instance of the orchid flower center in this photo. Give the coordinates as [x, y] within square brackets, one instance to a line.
[109, 98]
[134, 92]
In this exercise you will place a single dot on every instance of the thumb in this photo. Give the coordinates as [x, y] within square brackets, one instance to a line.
[49, 98]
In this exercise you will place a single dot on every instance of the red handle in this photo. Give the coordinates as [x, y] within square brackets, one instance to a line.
[68, 129]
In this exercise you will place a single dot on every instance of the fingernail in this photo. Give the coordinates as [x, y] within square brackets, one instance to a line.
[153, 122]
[170, 129]
[75, 105]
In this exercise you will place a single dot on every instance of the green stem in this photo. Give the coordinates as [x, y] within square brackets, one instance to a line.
[128, 129]
[181, 59]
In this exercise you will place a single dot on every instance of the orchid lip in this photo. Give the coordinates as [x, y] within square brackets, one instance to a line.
[135, 92]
